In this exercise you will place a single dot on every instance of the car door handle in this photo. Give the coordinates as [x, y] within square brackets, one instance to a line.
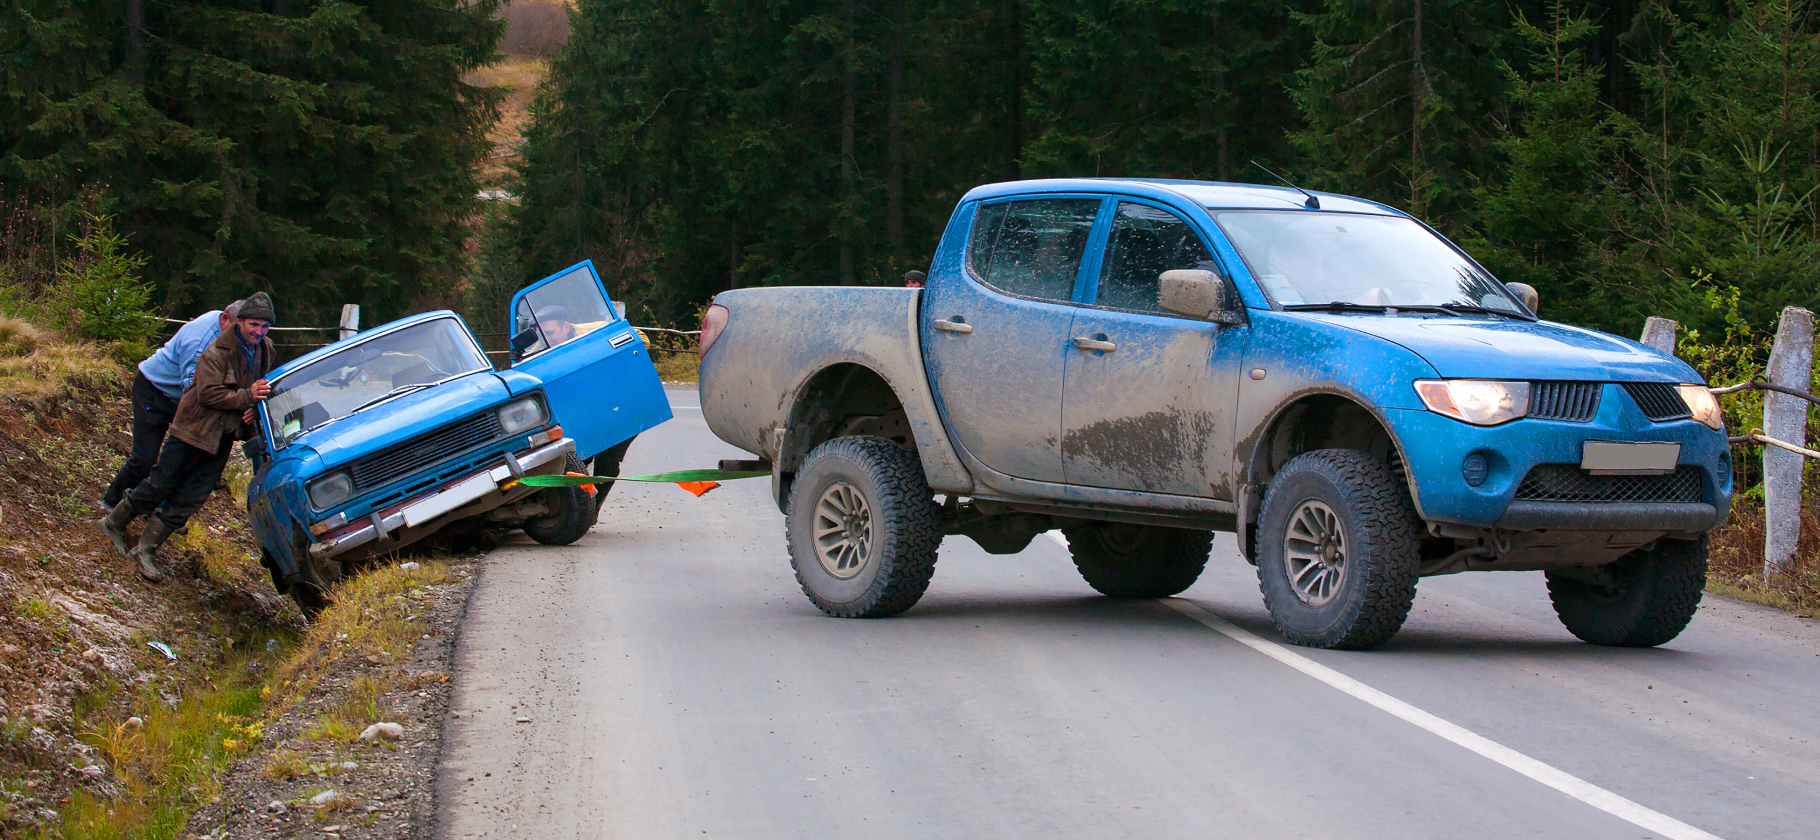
[1085, 343]
[961, 327]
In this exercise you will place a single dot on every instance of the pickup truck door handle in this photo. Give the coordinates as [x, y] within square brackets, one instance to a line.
[961, 327]
[1085, 343]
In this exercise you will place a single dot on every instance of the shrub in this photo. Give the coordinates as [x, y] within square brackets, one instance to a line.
[98, 295]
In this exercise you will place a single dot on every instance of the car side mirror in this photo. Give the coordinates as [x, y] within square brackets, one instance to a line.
[1527, 294]
[525, 338]
[1194, 293]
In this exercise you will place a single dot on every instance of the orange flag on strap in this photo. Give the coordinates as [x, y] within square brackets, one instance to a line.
[699, 488]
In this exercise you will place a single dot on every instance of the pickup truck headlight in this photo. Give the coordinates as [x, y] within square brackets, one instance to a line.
[331, 490]
[525, 414]
[1477, 401]
[1703, 404]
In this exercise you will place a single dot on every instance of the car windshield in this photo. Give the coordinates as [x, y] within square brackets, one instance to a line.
[352, 378]
[1314, 257]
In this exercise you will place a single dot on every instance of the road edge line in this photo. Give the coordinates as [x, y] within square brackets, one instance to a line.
[1587, 792]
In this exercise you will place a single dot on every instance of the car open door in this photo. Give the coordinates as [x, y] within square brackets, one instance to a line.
[597, 374]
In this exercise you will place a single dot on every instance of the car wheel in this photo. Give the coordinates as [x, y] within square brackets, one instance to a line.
[1138, 561]
[607, 463]
[572, 511]
[1338, 550]
[861, 527]
[319, 574]
[1642, 599]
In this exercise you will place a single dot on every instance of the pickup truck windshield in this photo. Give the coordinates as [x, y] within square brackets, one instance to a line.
[1315, 257]
[364, 374]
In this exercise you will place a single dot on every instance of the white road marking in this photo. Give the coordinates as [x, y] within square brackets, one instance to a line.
[1573, 786]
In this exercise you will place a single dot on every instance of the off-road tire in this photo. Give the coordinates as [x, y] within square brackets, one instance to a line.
[1381, 537]
[902, 534]
[1655, 594]
[1121, 560]
[573, 507]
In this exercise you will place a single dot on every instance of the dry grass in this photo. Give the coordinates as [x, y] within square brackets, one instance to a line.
[519, 76]
[1737, 560]
[677, 367]
[35, 365]
[377, 613]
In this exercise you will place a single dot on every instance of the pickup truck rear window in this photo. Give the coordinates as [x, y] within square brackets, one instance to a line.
[1032, 248]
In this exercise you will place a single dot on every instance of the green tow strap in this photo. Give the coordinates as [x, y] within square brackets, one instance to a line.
[678, 476]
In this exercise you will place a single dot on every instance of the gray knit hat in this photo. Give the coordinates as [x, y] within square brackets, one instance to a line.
[259, 307]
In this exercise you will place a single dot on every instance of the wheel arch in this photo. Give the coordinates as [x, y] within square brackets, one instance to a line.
[1322, 419]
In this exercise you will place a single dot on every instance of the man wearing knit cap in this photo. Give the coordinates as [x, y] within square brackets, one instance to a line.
[158, 384]
[216, 411]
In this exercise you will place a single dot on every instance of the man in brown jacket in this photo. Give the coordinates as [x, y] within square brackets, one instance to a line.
[216, 411]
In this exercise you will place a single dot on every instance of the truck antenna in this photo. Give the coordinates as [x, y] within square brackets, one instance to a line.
[1312, 203]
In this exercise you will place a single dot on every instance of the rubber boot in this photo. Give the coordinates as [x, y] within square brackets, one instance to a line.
[156, 532]
[114, 525]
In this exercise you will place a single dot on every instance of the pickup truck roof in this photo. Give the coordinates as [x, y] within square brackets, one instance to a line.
[1208, 194]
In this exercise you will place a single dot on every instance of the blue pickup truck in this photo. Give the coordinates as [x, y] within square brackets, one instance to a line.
[1142, 363]
[384, 438]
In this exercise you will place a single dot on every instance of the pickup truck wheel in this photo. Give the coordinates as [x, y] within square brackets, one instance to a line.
[1338, 550]
[1644, 599]
[1120, 560]
[573, 514]
[861, 527]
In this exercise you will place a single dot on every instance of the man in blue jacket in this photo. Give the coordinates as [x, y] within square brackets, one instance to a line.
[157, 386]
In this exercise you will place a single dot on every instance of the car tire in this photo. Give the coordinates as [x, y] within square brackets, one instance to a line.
[876, 517]
[573, 511]
[1648, 599]
[1338, 550]
[607, 463]
[318, 575]
[1121, 560]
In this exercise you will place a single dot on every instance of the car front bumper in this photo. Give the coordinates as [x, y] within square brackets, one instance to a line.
[425, 512]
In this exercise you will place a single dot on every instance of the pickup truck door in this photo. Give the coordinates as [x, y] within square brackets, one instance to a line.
[596, 373]
[996, 336]
[1149, 396]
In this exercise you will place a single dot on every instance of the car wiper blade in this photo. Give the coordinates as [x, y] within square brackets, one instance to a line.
[1484, 310]
[402, 389]
[1334, 306]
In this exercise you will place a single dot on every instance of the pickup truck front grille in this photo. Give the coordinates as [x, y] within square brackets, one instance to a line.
[1575, 402]
[1569, 483]
[389, 465]
[1659, 400]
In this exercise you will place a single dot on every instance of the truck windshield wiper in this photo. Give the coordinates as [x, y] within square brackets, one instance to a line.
[1334, 306]
[1484, 310]
[402, 389]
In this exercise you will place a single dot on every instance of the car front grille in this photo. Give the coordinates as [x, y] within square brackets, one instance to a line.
[1659, 400]
[1572, 401]
[1569, 483]
[389, 465]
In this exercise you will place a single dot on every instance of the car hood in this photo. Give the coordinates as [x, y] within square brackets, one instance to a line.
[1489, 348]
[403, 418]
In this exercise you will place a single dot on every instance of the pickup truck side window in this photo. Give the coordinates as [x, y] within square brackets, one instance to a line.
[1146, 242]
[562, 310]
[1035, 247]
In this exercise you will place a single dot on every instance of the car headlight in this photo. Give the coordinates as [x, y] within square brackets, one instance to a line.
[1477, 401]
[1703, 404]
[519, 416]
[331, 490]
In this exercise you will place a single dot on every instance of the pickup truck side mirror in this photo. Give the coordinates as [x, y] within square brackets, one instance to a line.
[1194, 293]
[525, 338]
[1527, 294]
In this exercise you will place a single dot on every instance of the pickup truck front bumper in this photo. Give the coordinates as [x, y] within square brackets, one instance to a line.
[412, 517]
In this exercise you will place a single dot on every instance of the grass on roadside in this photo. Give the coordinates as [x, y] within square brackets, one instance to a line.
[677, 367]
[35, 364]
[377, 613]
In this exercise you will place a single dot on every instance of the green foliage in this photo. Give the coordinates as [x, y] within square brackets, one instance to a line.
[98, 295]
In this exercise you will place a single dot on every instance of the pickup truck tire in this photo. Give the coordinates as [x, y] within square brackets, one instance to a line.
[861, 527]
[574, 511]
[1338, 550]
[1648, 598]
[1120, 560]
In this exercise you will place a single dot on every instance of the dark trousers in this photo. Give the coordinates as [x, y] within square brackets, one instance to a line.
[181, 481]
[152, 413]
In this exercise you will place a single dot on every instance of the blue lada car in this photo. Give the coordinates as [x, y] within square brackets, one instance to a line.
[382, 439]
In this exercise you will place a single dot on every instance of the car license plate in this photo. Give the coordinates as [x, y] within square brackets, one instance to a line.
[450, 499]
[1607, 457]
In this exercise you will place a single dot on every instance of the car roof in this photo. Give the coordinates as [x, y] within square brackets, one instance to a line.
[1213, 195]
[356, 338]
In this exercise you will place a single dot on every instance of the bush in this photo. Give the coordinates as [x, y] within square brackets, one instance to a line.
[98, 295]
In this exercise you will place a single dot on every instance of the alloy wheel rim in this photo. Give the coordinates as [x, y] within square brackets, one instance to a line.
[1314, 553]
[842, 530]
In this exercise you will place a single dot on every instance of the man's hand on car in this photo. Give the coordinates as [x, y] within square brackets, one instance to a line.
[261, 389]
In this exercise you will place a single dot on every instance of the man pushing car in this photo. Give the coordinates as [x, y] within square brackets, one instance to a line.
[216, 411]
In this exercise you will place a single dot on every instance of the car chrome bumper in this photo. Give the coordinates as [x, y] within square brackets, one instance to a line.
[383, 523]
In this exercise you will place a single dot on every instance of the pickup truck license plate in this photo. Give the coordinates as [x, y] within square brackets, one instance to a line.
[1606, 457]
[450, 499]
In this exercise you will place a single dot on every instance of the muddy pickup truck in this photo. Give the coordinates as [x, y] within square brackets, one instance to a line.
[1143, 363]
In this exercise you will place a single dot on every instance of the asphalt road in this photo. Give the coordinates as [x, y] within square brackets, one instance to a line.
[664, 677]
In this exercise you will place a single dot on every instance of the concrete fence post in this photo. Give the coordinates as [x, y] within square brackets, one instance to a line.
[1660, 334]
[1791, 364]
[350, 319]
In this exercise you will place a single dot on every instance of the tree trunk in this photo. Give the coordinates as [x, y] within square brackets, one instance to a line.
[894, 135]
[844, 222]
[1417, 82]
[135, 42]
[1014, 123]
